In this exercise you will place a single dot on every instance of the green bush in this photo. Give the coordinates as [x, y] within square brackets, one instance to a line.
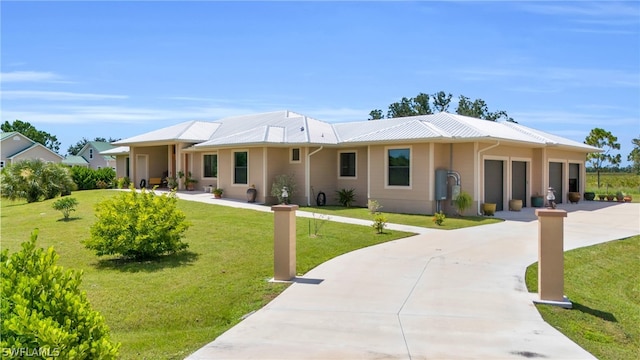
[44, 313]
[463, 202]
[89, 179]
[346, 197]
[373, 206]
[281, 182]
[66, 205]
[34, 180]
[439, 217]
[138, 225]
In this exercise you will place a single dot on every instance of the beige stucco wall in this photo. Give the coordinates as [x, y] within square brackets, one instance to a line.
[121, 165]
[410, 199]
[38, 153]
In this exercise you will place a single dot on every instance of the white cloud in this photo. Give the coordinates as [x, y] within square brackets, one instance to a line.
[56, 95]
[29, 76]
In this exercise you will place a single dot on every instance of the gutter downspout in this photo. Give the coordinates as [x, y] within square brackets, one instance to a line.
[479, 166]
[307, 174]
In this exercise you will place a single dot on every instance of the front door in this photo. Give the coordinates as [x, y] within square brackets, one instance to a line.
[555, 180]
[519, 181]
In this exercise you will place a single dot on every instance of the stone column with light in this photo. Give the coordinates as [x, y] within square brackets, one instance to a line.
[284, 242]
[551, 257]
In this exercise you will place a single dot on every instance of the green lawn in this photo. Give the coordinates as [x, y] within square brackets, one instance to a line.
[603, 284]
[450, 223]
[614, 182]
[168, 308]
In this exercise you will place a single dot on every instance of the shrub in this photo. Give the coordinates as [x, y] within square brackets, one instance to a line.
[34, 180]
[281, 182]
[439, 217]
[374, 206]
[66, 205]
[44, 312]
[346, 197]
[138, 225]
[379, 223]
[89, 179]
[463, 202]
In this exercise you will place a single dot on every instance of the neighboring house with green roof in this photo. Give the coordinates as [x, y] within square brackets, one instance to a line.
[15, 147]
[90, 156]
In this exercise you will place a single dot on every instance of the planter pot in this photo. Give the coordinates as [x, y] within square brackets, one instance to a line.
[610, 197]
[251, 195]
[602, 197]
[489, 209]
[573, 197]
[515, 205]
[217, 196]
[620, 198]
[537, 201]
[627, 198]
[589, 196]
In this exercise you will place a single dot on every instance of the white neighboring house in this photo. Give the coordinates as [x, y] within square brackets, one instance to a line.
[91, 156]
[15, 147]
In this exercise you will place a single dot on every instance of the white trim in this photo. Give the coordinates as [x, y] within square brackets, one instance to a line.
[233, 168]
[386, 167]
[355, 152]
[432, 173]
[368, 173]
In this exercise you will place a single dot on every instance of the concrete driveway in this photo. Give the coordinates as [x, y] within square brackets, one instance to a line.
[456, 294]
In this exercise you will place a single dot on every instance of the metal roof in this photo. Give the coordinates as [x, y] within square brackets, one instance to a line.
[287, 127]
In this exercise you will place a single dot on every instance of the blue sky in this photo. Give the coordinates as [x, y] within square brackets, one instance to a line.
[118, 69]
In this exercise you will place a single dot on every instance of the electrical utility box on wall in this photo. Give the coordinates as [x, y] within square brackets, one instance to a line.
[441, 184]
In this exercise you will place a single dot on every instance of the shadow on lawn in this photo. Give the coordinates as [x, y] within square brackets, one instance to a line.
[182, 258]
[607, 316]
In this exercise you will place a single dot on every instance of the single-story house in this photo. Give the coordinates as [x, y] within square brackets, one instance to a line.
[410, 164]
[16, 147]
[120, 156]
[91, 156]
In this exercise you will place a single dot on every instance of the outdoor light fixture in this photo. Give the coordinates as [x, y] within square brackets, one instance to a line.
[551, 203]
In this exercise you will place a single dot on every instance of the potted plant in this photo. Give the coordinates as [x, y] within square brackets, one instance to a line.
[610, 197]
[172, 183]
[620, 196]
[462, 202]
[537, 200]
[589, 195]
[601, 197]
[252, 193]
[217, 193]
[189, 181]
[627, 198]
[489, 209]
[573, 197]
[515, 204]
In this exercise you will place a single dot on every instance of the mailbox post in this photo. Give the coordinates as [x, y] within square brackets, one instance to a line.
[284, 242]
[551, 257]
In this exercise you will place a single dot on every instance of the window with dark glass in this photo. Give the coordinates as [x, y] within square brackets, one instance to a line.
[210, 165]
[240, 165]
[399, 166]
[126, 166]
[348, 164]
[295, 154]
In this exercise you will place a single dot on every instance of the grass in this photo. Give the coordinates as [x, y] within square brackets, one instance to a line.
[602, 283]
[613, 182]
[170, 307]
[450, 223]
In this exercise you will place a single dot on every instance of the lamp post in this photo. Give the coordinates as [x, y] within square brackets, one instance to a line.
[551, 203]
[285, 195]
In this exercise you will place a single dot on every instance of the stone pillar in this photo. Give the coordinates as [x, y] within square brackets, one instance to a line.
[551, 257]
[284, 242]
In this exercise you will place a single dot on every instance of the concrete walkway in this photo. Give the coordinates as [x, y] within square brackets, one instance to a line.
[455, 294]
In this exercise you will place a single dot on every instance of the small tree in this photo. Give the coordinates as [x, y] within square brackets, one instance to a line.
[634, 155]
[44, 309]
[138, 225]
[379, 222]
[607, 142]
[66, 205]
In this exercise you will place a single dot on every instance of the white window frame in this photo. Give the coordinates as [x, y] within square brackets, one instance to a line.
[354, 177]
[217, 163]
[233, 168]
[90, 153]
[291, 160]
[386, 167]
